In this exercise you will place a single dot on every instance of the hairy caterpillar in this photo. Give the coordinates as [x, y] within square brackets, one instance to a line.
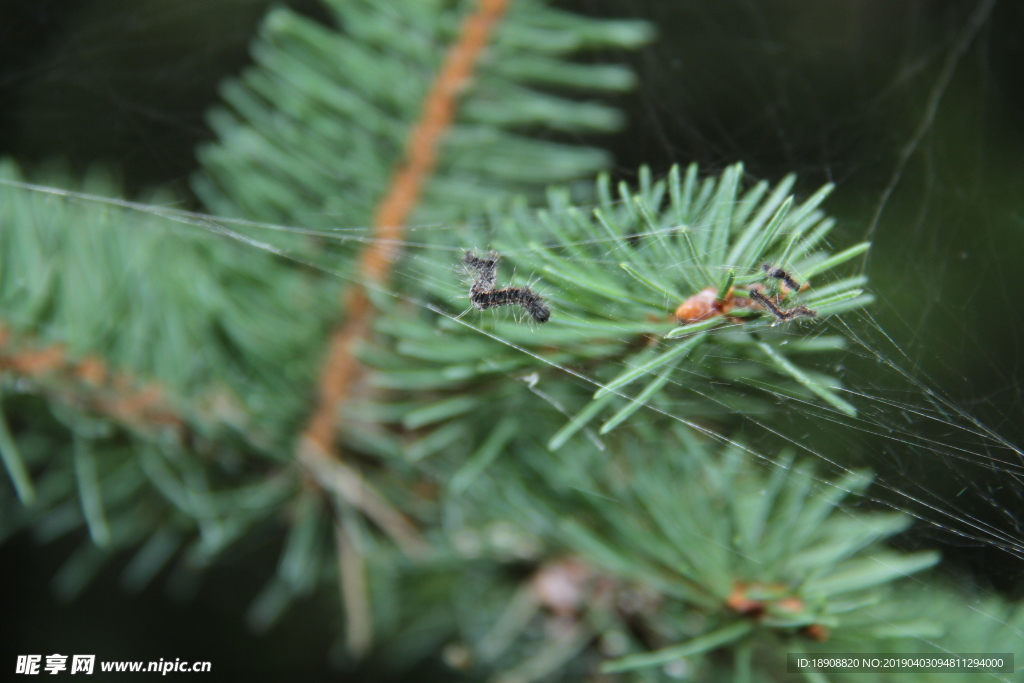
[483, 295]
[780, 274]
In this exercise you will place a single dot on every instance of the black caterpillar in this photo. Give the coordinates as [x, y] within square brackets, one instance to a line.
[780, 274]
[483, 295]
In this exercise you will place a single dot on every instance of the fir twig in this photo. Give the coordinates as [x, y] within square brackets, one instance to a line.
[341, 369]
[392, 214]
[679, 247]
[227, 332]
[117, 395]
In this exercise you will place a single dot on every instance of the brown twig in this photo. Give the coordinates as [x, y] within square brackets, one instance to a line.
[341, 369]
[114, 394]
[438, 114]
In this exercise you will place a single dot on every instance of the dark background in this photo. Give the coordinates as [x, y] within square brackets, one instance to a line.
[837, 91]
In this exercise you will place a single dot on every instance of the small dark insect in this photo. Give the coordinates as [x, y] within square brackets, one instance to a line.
[782, 315]
[780, 274]
[483, 295]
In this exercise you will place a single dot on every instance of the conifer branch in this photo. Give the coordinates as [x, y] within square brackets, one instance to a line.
[652, 289]
[675, 528]
[438, 114]
[341, 369]
[229, 332]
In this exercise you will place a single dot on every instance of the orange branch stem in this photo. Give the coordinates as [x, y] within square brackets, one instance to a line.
[114, 394]
[341, 370]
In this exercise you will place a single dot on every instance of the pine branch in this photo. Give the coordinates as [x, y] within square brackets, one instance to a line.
[312, 135]
[115, 298]
[165, 358]
[705, 551]
[392, 214]
[614, 280]
[291, 40]
[97, 389]
[299, 60]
